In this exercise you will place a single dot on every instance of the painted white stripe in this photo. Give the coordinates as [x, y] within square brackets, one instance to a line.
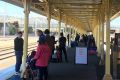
[7, 73]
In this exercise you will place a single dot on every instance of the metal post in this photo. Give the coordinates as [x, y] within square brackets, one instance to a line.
[75, 32]
[25, 47]
[102, 33]
[4, 27]
[107, 75]
[59, 28]
[66, 26]
[48, 14]
[99, 38]
[36, 26]
[97, 35]
[70, 33]
[96, 30]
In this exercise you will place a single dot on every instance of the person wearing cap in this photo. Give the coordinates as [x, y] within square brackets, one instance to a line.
[42, 57]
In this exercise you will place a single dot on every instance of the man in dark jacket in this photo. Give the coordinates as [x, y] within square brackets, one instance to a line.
[18, 47]
[50, 41]
[62, 45]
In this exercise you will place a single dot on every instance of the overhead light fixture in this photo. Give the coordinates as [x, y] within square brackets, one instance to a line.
[41, 0]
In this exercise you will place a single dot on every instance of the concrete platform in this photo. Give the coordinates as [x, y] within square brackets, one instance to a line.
[71, 71]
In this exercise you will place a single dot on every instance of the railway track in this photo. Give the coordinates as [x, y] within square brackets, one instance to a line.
[11, 53]
[5, 47]
[6, 39]
[11, 47]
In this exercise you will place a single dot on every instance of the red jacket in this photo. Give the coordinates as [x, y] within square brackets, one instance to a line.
[42, 55]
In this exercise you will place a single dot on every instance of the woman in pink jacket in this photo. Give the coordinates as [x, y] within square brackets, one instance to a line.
[42, 58]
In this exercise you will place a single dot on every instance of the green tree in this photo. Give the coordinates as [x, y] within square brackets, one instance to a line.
[12, 30]
[30, 29]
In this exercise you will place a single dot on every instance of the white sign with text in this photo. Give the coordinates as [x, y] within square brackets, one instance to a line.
[81, 55]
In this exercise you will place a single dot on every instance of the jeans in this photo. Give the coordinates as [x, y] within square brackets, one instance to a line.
[18, 55]
[43, 73]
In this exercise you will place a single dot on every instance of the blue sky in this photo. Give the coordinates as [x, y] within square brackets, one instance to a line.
[116, 22]
[13, 10]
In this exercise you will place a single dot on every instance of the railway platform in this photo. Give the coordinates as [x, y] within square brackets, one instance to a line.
[79, 16]
[71, 71]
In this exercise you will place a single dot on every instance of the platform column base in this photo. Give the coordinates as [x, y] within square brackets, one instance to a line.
[107, 77]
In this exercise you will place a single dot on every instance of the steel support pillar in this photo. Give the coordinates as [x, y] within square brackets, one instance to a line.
[66, 26]
[48, 14]
[102, 33]
[99, 38]
[4, 25]
[25, 47]
[59, 28]
[107, 75]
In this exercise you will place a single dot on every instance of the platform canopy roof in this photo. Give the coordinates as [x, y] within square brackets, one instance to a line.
[83, 12]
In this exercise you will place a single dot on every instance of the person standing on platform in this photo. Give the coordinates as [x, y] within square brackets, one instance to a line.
[39, 32]
[77, 38]
[62, 46]
[42, 57]
[18, 47]
[49, 40]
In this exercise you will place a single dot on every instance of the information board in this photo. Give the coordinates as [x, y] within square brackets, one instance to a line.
[81, 55]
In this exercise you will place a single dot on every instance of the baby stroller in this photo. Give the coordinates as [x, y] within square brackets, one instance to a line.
[31, 71]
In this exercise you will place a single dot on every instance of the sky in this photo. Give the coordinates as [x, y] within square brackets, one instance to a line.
[116, 22]
[12, 10]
